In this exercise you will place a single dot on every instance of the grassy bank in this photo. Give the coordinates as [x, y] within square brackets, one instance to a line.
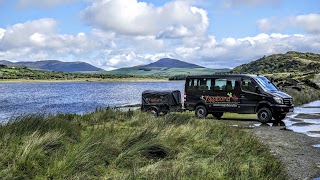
[131, 145]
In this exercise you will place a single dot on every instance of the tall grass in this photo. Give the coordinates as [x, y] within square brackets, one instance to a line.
[131, 145]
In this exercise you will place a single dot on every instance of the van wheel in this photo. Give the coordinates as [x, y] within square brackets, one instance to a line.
[201, 111]
[264, 115]
[217, 115]
[279, 117]
[153, 112]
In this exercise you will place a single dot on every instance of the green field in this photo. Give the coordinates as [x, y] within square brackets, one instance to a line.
[109, 144]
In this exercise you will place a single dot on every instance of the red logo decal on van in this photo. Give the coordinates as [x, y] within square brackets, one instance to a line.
[235, 98]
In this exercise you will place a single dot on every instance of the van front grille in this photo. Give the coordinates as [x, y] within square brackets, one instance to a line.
[288, 101]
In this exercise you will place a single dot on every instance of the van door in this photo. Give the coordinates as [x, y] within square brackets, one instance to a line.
[223, 96]
[196, 88]
[249, 98]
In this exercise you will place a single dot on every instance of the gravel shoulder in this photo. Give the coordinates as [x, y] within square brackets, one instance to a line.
[295, 150]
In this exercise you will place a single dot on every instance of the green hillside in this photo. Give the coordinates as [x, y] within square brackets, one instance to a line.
[290, 62]
[10, 73]
[165, 72]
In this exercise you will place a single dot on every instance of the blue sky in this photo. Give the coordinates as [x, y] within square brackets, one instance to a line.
[120, 33]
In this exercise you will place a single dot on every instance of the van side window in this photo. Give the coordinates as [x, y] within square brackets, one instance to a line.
[220, 85]
[230, 85]
[203, 85]
[209, 84]
[199, 84]
[193, 83]
[248, 85]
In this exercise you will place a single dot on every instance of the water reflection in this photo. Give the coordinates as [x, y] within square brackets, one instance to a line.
[305, 119]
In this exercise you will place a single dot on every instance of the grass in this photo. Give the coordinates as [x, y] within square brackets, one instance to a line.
[109, 144]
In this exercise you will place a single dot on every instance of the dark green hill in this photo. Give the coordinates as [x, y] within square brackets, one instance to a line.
[166, 67]
[171, 63]
[54, 65]
[281, 63]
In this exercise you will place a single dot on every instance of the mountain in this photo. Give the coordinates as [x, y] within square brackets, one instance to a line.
[289, 62]
[166, 67]
[172, 63]
[54, 65]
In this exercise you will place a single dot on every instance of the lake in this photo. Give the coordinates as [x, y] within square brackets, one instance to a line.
[73, 97]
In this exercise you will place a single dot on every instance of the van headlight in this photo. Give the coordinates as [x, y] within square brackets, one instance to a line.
[278, 100]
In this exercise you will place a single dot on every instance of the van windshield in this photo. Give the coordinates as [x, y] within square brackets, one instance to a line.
[265, 84]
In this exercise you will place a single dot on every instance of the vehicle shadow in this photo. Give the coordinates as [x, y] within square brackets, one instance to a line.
[254, 122]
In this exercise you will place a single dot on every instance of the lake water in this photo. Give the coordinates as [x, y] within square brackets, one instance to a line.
[73, 97]
[305, 119]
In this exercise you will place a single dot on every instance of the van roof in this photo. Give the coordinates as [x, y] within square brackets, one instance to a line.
[223, 76]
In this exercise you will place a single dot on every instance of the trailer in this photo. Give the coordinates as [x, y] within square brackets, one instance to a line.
[156, 102]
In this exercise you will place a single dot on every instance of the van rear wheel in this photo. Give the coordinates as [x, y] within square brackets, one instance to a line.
[264, 115]
[201, 111]
[217, 115]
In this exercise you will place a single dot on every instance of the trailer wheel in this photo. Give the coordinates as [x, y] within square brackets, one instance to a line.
[201, 111]
[153, 112]
[264, 115]
[217, 115]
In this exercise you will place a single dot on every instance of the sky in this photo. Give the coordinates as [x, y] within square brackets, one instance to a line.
[112, 34]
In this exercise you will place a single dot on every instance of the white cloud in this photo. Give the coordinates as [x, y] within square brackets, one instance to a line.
[2, 31]
[119, 59]
[42, 3]
[37, 39]
[131, 17]
[309, 23]
[230, 52]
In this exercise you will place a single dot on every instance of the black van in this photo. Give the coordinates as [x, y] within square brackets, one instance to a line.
[243, 94]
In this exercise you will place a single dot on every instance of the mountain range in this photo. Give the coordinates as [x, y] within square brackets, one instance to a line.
[54, 65]
[289, 62]
[166, 67]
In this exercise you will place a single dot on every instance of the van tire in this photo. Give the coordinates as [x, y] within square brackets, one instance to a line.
[217, 115]
[264, 115]
[201, 111]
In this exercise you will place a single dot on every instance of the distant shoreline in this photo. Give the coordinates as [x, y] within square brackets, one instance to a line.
[83, 80]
